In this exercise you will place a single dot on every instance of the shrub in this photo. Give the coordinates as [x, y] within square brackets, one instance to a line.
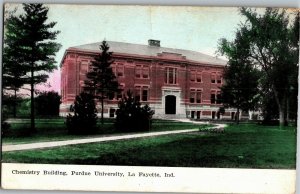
[84, 117]
[47, 103]
[4, 128]
[131, 116]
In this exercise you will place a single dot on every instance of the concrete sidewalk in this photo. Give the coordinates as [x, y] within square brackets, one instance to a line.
[17, 147]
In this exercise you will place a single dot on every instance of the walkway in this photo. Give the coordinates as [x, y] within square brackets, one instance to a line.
[18, 147]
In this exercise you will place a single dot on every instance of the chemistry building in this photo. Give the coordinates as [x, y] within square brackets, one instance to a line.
[175, 83]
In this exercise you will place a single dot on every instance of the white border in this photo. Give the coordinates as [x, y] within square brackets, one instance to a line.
[258, 3]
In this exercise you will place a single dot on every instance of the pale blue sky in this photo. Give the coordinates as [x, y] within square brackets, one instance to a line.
[191, 28]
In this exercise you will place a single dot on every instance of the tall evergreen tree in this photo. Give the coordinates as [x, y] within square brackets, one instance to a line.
[131, 115]
[84, 119]
[37, 47]
[13, 72]
[101, 81]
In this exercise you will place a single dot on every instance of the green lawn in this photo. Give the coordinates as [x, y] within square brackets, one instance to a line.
[242, 146]
[55, 130]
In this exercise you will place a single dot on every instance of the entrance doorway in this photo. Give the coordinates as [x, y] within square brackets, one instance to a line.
[170, 104]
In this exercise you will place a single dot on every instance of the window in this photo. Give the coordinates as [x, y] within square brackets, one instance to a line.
[145, 94]
[219, 99]
[145, 72]
[198, 114]
[116, 95]
[219, 79]
[142, 71]
[213, 78]
[233, 116]
[198, 97]
[195, 96]
[120, 70]
[192, 97]
[192, 114]
[112, 112]
[137, 93]
[196, 76]
[65, 86]
[193, 75]
[171, 75]
[83, 68]
[212, 98]
[119, 94]
[216, 78]
[215, 97]
[142, 93]
[199, 77]
[138, 71]
[81, 86]
[213, 114]
[111, 95]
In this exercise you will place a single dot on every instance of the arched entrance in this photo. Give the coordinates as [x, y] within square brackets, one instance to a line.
[170, 104]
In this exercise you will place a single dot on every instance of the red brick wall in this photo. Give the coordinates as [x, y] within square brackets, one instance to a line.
[206, 113]
[73, 75]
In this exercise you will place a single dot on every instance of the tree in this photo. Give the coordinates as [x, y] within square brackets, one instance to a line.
[13, 72]
[47, 103]
[292, 108]
[101, 81]
[272, 46]
[241, 78]
[84, 119]
[36, 47]
[131, 116]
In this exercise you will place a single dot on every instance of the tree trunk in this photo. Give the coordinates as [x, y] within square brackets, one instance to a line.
[284, 107]
[280, 107]
[238, 116]
[15, 104]
[102, 109]
[281, 117]
[287, 113]
[32, 116]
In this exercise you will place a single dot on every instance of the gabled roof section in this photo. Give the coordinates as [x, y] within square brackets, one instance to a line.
[153, 51]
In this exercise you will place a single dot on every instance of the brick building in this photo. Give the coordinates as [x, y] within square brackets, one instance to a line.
[175, 83]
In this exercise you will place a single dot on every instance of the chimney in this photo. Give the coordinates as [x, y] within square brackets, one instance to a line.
[152, 42]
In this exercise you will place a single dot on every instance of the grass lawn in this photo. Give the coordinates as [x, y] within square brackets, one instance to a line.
[55, 130]
[242, 146]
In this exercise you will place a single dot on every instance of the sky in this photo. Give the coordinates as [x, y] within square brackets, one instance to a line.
[190, 28]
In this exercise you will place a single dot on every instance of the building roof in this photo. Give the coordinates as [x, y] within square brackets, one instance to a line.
[146, 50]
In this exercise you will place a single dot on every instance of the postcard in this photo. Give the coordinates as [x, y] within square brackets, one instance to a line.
[149, 98]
